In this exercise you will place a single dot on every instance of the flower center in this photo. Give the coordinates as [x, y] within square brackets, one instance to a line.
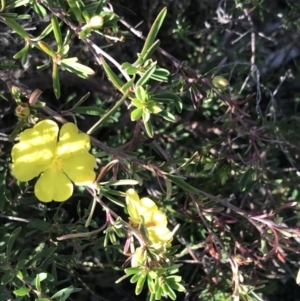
[57, 163]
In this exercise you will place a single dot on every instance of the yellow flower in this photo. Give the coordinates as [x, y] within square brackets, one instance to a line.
[145, 211]
[58, 161]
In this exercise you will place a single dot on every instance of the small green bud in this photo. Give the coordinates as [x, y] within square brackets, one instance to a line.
[96, 22]
[220, 82]
[22, 110]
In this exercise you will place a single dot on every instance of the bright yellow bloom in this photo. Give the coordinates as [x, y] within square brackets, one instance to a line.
[58, 161]
[145, 211]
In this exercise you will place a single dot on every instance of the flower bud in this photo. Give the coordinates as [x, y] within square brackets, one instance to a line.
[220, 82]
[22, 110]
[96, 22]
[138, 257]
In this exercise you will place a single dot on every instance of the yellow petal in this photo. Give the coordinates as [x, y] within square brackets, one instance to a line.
[155, 218]
[80, 169]
[72, 143]
[42, 134]
[53, 185]
[160, 236]
[34, 152]
[137, 207]
[148, 204]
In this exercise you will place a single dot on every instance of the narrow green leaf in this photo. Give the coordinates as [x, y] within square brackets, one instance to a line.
[167, 116]
[81, 101]
[77, 68]
[169, 189]
[182, 184]
[135, 278]
[75, 8]
[12, 240]
[55, 80]
[151, 284]
[57, 33]
[141, 93]
[131, 271]
[146, 115]
[161, 75]
[17, 28]
[128, 85]
[117, 82]
[153, 32]
[22, 52]
[140, 284]
[151, 50]
[146, 76]
[40, 10]
[149, 128]
[120, 182]
[47, 49]
[158, 293]
[38, 282]
[93, 111]
[64, 294]
[171, 292]
[44, 33]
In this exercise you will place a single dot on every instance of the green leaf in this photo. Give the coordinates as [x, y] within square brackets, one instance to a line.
[77, 68]
[146, 115]
[128, 85]
[137, 103]
[22, 291]
[149, 128]
[12, 240]
[17, 28]
[140, 283]
[161, 75]
[117, 82]
[167, 116]
[136, 114]
[57, 33]
[141, 94]
[146, 76]
[22, 53]
[153, 32]
[131, 271]
[169, 97]
[93, 111]
[151, 50]
[7, 277]
[81, 101]
[39, 224]
[64, 293]
[40, 10]
[38, 279]
[76, 9]
[131, 70]
[120, 182]
[179, 181]
[47, 49]
[55, 80]
[135, 277]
